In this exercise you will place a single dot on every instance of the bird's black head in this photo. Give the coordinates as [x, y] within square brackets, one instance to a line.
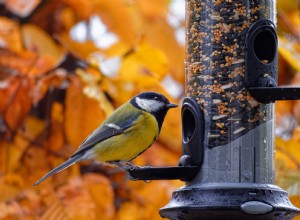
[154, 103]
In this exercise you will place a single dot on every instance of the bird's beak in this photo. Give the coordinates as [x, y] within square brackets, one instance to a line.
[171, 105]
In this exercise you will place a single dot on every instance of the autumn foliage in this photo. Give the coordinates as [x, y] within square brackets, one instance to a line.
[66, 65]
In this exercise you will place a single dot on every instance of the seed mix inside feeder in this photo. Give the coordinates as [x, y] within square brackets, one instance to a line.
[215, 66]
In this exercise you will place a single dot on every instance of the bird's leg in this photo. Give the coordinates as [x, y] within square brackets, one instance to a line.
[132, 165]
[119, 164]
[125, 165]
[136, 166]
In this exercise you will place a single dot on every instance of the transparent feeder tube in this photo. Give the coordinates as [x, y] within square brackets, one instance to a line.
[239, 131]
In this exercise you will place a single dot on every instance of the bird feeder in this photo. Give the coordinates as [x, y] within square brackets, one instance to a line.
[228, 115]
[231, 84]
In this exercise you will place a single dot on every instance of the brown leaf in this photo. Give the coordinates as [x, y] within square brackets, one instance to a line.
[55, 79]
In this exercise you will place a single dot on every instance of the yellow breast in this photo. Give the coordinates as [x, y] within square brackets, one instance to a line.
[131, 143]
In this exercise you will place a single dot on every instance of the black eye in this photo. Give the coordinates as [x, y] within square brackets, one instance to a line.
[155, 98]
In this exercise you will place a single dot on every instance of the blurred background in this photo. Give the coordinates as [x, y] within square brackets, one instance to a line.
[66, 65]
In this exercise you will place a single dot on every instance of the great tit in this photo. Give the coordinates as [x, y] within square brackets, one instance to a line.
[126, 133]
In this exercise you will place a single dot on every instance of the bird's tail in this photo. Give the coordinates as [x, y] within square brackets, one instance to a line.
[70, 162]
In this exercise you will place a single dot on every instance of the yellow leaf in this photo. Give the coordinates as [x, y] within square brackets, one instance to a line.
[13, 153]
[145, 66]
[35, 39]
[78, 49]
[290, 51]
[10, 186]
[121, 18]
[33, 126]
[291, 149]
[287, 6]
[152, 9]
[93, 90]
[159, 34]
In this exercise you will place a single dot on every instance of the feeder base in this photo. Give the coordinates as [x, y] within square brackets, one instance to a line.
[246, 202]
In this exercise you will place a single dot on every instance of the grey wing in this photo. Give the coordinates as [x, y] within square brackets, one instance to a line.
[107, 130]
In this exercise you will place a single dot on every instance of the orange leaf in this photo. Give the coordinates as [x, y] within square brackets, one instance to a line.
[55, 79]
[56, 138]
[33, 127]
[82, 114]
[291, 150]
[102, 193]
[10, 35]
[17, 63]
[78, 49]
[77, 201]
[145, 205]
[120, 18]
[19, 105]
[9, 86]
[10, 187]
[38, 41]
[11, 154]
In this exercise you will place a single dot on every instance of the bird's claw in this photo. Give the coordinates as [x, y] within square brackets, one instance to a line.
[127, 166]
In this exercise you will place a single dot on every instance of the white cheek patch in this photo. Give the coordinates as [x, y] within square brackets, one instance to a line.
[149, 105]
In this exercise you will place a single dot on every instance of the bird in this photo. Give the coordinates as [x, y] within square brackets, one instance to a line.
[125, 134]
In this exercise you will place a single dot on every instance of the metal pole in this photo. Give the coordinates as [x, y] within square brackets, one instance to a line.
[235, 144]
